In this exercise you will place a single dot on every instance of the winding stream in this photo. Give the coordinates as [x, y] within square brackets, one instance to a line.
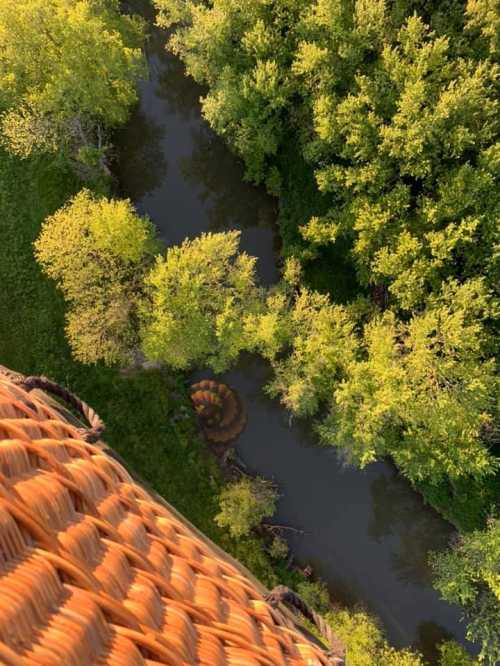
[367, 534]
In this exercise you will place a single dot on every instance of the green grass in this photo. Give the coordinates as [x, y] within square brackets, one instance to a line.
[148, 416]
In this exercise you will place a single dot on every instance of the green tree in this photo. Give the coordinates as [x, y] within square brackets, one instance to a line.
[244, 55]
[469, 575]
[397, 114]
[67, 68]
[244, 504]
[423, 393]
[483, 19]
[452, 654]
[278, 549]
[315, 594]
[97, 249]
[198, 295]
[365, 642]
[318, 338]
[406, 147]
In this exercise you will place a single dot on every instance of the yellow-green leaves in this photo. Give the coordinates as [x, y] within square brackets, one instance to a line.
[421, 392]
[320, 340]
[97, 249]
[63, 61]
[198, 296]
[244, 504]
[365, 642]
[469, 575]
[483, 16]
[242, 53]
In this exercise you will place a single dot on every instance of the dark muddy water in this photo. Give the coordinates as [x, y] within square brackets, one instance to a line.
[366, 533]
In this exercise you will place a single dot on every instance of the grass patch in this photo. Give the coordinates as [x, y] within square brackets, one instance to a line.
[148, 415]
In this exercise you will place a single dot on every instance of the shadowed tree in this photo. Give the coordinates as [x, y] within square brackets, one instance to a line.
[469, 575]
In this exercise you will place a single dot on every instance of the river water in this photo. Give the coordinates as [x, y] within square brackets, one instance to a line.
[367, 534]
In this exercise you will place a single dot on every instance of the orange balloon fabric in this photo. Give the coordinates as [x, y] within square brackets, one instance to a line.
[94, 569]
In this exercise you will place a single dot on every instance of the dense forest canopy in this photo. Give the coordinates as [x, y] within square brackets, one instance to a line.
[395, 108]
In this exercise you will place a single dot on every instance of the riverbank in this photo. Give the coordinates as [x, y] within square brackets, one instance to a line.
[466, 504]
[179, 173]
[150, 407]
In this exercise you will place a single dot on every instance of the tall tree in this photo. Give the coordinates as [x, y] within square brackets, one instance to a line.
[244, 504]
[404, 142]
[319, 341]
[97, 250]
[423, 392]
[67, 67]
[469, 575]
[198, 295]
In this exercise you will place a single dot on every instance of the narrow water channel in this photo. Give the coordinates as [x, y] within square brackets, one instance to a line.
[367, 534]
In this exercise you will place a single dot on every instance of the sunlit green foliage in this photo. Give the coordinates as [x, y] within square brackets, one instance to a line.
[422, 391]
[395, 107]
[469, 575]
[406, 143]
[244, 504]
[97, 249]
[244, 54]
[320, 343]
[365, 642]
[397, 113]
[65, 68]
[197, 296]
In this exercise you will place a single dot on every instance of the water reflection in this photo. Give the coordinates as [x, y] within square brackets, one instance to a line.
[231, 202]
[398, 511]
[180, 91]
[429, 636]
[141, 165]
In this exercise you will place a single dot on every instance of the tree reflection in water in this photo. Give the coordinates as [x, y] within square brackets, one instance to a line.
[430, 636]
[399, 512]
[140, 163]
[232, 202]
[180, 92]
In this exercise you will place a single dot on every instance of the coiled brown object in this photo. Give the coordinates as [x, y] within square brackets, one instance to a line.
[220, 412]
